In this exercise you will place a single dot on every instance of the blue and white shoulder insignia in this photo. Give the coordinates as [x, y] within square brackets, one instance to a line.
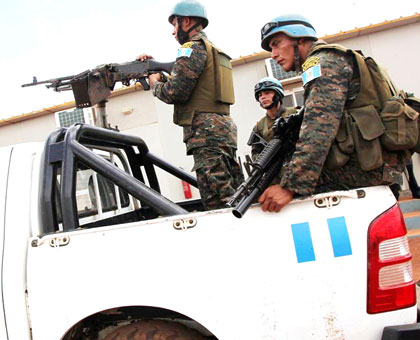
[311, 70]
[185, 50]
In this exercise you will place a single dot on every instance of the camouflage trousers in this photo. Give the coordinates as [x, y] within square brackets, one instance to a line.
[218, 176]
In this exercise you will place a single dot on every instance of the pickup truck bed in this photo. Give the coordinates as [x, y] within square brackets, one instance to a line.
[331, 266]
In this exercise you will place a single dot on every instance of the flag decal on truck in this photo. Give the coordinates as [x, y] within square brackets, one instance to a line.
[303, 242]
[339, 236]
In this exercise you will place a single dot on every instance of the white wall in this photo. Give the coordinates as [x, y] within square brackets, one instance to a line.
[32, 130]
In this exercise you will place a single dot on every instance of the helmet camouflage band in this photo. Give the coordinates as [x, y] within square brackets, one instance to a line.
[189, 8]
[293, 25]
[267, 84]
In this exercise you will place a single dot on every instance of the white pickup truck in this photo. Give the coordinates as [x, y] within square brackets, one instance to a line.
[88, 251]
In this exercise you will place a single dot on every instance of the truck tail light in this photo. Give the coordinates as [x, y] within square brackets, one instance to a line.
[390, 283]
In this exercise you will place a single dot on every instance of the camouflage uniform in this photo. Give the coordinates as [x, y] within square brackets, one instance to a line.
[325, 98]
[211, 138]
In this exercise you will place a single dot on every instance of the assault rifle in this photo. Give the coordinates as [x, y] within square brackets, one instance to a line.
[268, 163]
[94, 86]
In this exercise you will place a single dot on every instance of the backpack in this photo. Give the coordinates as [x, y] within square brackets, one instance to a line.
[377, 120]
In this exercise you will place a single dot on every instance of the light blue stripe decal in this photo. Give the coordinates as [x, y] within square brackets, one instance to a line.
[339, 236]
[303, 242]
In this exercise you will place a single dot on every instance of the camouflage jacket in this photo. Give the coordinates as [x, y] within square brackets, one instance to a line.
[208, 129]
[325, 98]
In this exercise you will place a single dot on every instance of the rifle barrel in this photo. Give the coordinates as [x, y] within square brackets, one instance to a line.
[57, 81]
[245, 203]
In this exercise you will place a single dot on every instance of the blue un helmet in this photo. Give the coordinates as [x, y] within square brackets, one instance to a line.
[293, 25]
[268, 83]
[189, 8]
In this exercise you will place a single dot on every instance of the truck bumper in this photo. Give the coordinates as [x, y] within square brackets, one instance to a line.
[403, 332]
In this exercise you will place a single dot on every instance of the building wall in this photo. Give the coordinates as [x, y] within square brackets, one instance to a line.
[246, 111]
[152, 120]
[32, 130]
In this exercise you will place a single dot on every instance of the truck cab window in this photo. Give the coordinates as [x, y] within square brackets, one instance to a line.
[90, 186]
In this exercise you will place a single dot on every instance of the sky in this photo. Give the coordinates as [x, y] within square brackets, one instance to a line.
[55, 38]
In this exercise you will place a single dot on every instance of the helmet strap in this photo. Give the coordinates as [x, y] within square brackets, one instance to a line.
[181, 34]
[184, 36]
[297, 56]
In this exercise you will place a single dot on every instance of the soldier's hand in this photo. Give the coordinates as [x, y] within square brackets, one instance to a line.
[153, 78]
[274, 198]
[143, 57]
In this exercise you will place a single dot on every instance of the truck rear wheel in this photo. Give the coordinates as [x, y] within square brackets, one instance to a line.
[154, 330]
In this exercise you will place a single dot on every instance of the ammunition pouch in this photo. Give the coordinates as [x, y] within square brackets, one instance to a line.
[359, 131]
[401, 126]
[343, 145]
[344, 136]
[336, 158]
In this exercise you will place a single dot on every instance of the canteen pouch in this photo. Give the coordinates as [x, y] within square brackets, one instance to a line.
[401, 127]
[366, 128]
[336, 158]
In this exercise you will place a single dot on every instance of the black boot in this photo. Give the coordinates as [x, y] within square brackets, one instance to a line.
[412, 183]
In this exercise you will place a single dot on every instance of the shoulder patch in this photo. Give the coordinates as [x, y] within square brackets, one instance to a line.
[184, 52]
[310, 62]
[188, 44]
[311, 74]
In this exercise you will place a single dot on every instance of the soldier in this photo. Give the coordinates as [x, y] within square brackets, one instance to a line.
[201, 89]
[331, 81]
[269, 93]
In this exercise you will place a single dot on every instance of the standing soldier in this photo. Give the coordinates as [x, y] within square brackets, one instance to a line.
[201, 89]
[336, 105]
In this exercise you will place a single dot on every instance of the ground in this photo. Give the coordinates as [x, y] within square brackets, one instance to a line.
[414, 243]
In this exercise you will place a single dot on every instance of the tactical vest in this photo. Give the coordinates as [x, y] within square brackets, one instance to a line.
[266, 131]
[376, 121]
[213, 91]
[263, 128]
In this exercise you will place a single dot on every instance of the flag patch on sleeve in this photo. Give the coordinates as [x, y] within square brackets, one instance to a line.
[311, 74]
[184, 52]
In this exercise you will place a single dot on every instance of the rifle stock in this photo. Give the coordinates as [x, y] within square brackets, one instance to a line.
[268, 164]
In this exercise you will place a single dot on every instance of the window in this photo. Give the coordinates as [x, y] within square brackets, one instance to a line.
[293, 99]
[299, 98]
[70, 117]
[276, 71]
[288, 101]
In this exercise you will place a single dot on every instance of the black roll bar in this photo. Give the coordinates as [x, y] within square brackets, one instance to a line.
[66, 146]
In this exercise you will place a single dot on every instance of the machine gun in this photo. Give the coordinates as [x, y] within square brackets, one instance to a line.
[94, 86]
[268, 163]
